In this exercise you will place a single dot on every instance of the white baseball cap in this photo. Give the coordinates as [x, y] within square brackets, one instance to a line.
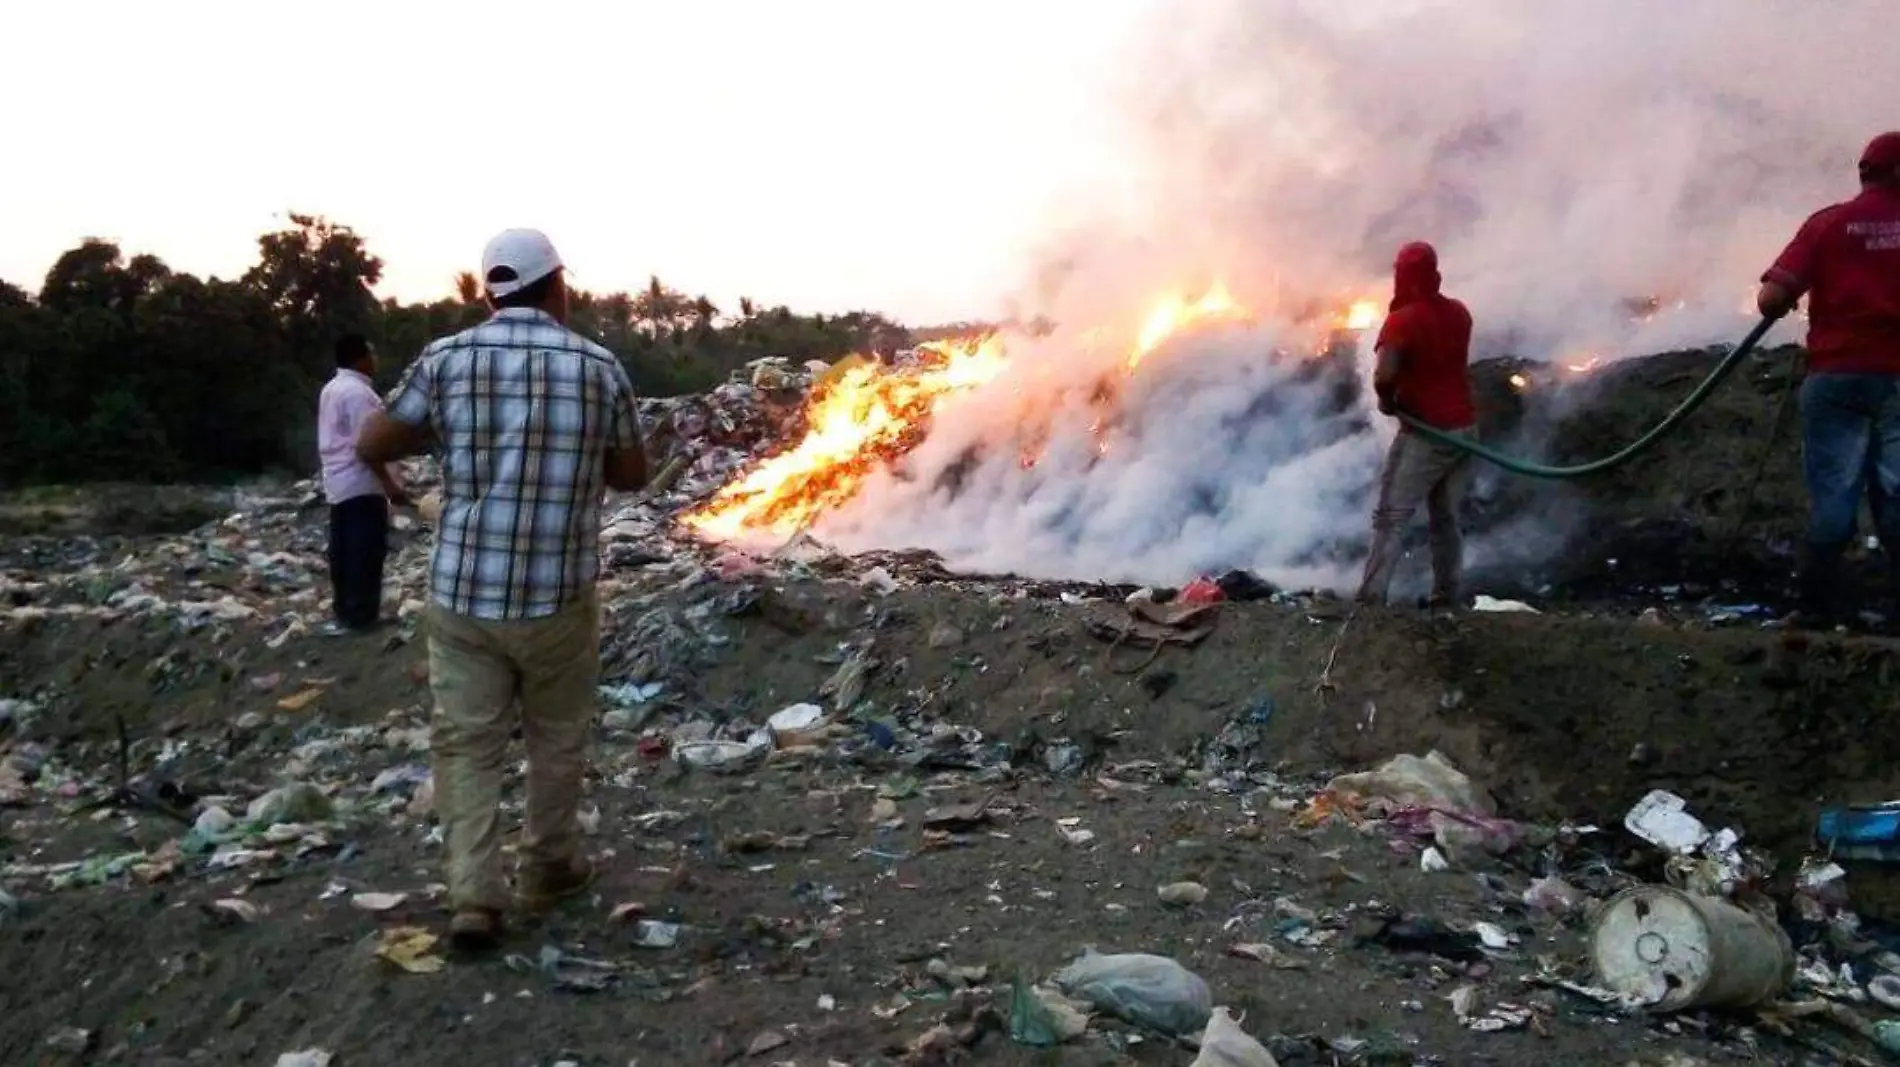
[520, 257]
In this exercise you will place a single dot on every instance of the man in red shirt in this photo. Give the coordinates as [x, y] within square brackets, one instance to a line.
[1846, 260]
[1423, 351]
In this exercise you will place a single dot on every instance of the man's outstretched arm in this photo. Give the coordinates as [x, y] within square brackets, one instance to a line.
[402, 430]
[1385, 380]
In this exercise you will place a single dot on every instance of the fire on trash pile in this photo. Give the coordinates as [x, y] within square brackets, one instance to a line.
[861, 806]
[867, 810]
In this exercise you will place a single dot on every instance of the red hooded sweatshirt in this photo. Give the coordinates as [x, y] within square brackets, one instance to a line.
[1431, 333]
[1846, 259]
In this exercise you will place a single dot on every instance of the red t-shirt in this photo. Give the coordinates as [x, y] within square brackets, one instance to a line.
[1846, 258]
[1432, 335]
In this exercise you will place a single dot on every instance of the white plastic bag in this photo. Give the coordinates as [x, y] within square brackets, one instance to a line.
[1151, 991]
[1407, 781]
[1225, 1044]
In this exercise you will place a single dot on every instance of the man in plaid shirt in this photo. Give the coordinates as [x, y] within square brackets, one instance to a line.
[533, 421]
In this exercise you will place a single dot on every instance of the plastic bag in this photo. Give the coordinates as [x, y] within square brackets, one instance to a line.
[1407, 781]
[1042, 1018]
[1151, 991]
[1225, 1044]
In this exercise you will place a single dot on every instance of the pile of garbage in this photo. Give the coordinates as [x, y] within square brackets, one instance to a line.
[709, 437]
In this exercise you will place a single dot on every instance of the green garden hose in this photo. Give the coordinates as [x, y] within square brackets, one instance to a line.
[1635, 448]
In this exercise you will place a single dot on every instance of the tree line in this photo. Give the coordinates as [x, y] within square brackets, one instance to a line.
[121, 369]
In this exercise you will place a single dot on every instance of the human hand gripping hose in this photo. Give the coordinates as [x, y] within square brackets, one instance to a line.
[1617, 459]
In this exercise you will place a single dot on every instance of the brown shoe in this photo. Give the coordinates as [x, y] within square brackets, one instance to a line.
[475, 929]
[544, 887]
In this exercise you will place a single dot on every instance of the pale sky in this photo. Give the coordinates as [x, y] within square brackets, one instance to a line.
[898, 155]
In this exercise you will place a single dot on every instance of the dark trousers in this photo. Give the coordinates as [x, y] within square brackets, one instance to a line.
[359, 539]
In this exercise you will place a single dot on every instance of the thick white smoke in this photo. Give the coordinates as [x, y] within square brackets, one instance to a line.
[1566, 157]
[1215, 456]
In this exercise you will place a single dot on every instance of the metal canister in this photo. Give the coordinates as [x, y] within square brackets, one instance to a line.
[1674, 950]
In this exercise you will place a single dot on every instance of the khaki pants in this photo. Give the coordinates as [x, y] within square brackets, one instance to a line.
[1418, 473]
[480, 671]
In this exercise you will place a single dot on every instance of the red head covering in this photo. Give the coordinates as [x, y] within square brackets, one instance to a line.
[1883, 152]
[1414, 274]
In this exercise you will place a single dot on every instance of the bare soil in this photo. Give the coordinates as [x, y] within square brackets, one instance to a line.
[808, 920]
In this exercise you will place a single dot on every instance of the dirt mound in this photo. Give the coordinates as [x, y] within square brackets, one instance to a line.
[826, 914]
[1719, 504]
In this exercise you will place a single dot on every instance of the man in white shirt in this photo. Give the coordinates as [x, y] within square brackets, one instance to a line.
[359, 494]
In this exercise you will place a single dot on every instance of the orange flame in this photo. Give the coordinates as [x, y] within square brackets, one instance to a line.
[1174, 313]
[869, 414]
[864, 417]
[1362, 315]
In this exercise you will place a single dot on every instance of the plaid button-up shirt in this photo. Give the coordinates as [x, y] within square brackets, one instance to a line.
[525, 410]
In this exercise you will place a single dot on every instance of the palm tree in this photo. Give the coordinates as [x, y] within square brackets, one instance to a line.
[467, 289]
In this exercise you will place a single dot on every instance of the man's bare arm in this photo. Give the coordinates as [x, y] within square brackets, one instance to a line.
[386, 440]
[392, 486]
[1776, 299]
[625, 469]
[1385, 380]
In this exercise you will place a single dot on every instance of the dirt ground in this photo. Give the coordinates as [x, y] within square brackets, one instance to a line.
[1749, 736]
[827, 919]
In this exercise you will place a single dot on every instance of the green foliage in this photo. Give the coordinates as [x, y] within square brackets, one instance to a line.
[122, 370]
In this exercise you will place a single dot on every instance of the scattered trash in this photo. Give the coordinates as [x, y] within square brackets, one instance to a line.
[300, 701]
[378, 902]
[567, 972]
[1492, 936]
[298, 803]
[1152, 991]
[1074, 834]
[1429, 936]
[1201, 591]
[887, 737]
[1407, 781]
[630, 705]
[651, 933]
[1225, 1044]
[799, 724]
[213, 823]
[846, 686]
[310, 1057]
[1870, 832]
[1554, 897]
[1467, 1004]
[1182, 894]
[232, 909]
[956, 818]
[408, 947]
[71, 1040]
[1662, 819]
[1887, 1036]
[1705, 863]
[1043, 1018]
[724, 757]
[768, 1041]
[1486, 603]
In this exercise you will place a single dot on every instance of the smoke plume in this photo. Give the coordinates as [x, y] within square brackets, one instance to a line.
[1571, 159]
